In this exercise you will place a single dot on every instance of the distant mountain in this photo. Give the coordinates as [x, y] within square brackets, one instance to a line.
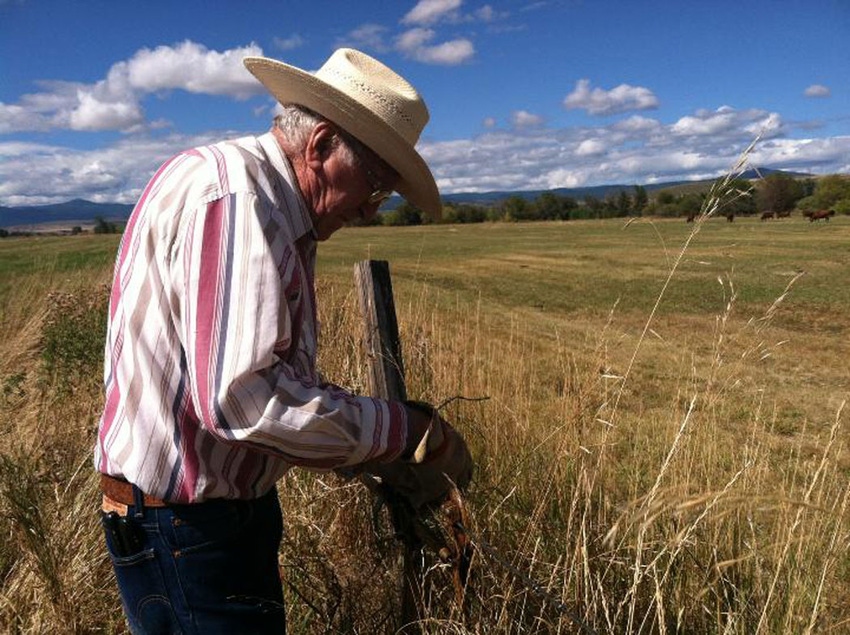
[80, 211]
[75, 211]
[756, 173]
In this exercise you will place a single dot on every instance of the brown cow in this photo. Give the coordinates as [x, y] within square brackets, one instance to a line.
[730, 216]
[767, 215]
[691, 217]
[784, 214]
[822, 214]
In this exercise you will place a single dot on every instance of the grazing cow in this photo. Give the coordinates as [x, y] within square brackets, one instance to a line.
[730, 216]
[822, 214]
[691, 217]
[808, 214]
[767, 215]
[784, 214]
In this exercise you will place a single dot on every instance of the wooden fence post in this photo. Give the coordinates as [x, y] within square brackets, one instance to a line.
[383, 346]
[386, 380]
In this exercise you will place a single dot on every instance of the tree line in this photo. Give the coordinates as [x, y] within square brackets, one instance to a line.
[101, 226]
[778, 193]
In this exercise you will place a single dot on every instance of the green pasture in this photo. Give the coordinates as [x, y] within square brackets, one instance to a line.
[55, 254]
[560, 269]
[587, 266]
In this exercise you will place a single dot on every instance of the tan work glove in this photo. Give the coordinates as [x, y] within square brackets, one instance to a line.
[440, 459]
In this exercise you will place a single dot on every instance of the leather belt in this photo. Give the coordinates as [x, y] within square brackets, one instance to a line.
[120, 491]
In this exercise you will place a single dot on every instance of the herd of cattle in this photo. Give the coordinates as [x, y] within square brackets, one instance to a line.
[823, 214]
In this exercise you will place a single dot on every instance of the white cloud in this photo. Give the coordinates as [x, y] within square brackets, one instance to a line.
[560, 177]
[630, 151]
[13, 149]
[485, 13]
[447, 54]
[639, 124]
[489, 122]
[598, 101]
[294, 41]
[366, 36]
[726, 120]
[534, 6]
[55, 95]
[766, 127]
[414, 44]
[427, 13]
[508, 159]
[430, 11]
[525, 119]
[116, 173]
[14, 118]
[705, 123]
[92, 114]
[115, 102]
[819, 156]
[590, 147]
[193, 68]
[413, 39]
[817, 90]
[41, 111]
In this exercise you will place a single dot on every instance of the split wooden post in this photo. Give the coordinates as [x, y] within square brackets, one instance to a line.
[382, 342]
[386, 380]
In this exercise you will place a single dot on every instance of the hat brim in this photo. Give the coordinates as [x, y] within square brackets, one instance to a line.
[291, 85]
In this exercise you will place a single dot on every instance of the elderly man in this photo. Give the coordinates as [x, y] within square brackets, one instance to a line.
[212, 391]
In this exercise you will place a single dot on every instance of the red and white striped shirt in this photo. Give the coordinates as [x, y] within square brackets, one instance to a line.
[210, 373]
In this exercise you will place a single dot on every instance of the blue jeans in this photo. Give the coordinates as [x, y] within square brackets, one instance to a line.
[202, 569]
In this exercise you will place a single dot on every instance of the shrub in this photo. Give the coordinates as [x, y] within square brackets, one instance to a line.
[102, 226]
[73, 336]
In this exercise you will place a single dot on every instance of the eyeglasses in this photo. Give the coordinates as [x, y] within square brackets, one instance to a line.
[379, 194]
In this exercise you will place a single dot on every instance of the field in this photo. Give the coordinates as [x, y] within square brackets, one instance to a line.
[655, 453]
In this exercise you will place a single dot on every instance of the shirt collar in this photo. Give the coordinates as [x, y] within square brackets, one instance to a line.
[286, 187]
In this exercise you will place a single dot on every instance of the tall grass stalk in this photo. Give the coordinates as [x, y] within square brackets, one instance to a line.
[720, 194]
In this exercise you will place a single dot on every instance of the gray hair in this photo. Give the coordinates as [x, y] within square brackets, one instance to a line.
[297, 122]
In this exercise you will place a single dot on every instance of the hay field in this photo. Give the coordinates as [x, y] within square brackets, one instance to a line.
[687, 473]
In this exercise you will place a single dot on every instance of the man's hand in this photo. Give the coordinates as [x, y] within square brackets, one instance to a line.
[436, 457]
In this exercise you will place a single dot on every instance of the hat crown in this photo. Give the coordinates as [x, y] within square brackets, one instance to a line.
[370, 102]
[380, 89]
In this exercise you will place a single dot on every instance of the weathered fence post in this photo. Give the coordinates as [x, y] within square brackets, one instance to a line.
[383, 346]
[386, 380]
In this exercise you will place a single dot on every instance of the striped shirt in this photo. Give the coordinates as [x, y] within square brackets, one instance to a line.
[211, 387]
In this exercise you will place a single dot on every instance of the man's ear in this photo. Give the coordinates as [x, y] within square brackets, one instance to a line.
[319, 145]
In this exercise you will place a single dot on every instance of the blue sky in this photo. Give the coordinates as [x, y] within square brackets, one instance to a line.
[94, 95]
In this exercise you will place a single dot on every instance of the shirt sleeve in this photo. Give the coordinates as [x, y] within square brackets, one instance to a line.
[241, 288]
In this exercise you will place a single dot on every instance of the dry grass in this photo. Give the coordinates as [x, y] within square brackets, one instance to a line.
[55, 577]
[639, 470]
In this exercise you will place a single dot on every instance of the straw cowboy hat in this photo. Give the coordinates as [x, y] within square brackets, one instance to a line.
[367, 100]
